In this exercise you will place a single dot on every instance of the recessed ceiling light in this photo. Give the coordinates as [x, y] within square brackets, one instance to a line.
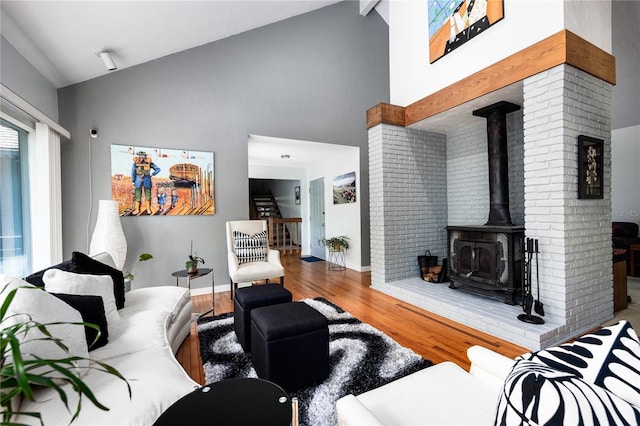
[285, 156]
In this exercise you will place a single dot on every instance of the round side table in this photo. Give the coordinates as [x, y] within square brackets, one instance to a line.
[246, 401]
[201, 273]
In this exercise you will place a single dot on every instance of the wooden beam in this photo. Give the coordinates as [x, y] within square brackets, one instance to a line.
[385, 113]
[563, 47]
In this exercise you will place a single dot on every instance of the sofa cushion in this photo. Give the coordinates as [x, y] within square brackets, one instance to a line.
[83, 264]
[157, 380]
[57, 281]
[171, 299]
[34, 304]
[91, 309]
[536, 394]
[36, 277]
[433, 396]
[250, 248]
[609, 358]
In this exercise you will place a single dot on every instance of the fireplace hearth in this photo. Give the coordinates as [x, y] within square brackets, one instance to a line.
[487, 257]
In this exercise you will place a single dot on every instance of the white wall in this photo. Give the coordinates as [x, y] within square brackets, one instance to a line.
[625, 174]
[525, 22]
[341, 219]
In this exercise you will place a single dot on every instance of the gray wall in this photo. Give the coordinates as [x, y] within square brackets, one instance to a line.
[21, 77]
[311, 77]
[626, 49]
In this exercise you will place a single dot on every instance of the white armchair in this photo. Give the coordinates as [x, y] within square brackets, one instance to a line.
[245, 249]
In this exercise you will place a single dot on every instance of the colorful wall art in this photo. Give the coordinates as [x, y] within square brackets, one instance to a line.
[158, 182]
[344, 188]
[454, 22]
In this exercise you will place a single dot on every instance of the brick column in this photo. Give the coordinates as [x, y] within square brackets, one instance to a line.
[575, 234]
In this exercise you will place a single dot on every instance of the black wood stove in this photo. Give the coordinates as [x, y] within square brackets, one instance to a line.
[487, 257]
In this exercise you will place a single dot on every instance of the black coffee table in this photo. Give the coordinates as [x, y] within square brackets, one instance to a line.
[231, 402]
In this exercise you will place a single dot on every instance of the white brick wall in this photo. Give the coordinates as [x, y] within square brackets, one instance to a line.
[408, 196]
[574, 234]
[420, 182]
[468, 171]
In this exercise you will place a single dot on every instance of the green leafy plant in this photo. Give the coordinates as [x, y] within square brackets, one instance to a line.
[193, 261]
[18, 374]
[335, 243]
[142, 258]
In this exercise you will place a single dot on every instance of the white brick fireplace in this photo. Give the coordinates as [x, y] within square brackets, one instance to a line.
[422, 180]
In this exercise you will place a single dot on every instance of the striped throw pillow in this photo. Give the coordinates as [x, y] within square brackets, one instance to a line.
[250, 248]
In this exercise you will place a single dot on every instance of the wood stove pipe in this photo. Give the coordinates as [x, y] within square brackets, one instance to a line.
[496, 115]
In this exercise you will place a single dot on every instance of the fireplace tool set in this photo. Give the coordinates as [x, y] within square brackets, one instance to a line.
[529, 249]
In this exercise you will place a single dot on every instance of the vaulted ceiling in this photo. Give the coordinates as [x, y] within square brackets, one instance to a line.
[61, 38]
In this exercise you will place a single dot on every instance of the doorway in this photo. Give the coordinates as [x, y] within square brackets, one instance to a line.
[316, 216]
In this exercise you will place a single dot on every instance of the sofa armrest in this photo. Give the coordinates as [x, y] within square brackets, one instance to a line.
[352, 412]
[489, 366]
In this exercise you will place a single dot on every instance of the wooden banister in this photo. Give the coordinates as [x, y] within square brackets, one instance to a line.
[284, 235]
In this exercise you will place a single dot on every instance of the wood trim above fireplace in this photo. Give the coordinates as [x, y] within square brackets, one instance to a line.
[563, 47]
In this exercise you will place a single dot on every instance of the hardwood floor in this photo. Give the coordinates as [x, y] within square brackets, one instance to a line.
[434, 337]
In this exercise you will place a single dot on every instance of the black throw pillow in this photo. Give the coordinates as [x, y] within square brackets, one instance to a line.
[91, 309]
[83, 264]
[36, 277]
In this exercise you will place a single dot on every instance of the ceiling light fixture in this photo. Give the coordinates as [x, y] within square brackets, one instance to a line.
[108, 60]
[285, 156]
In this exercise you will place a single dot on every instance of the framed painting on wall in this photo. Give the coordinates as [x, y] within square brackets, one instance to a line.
[344, 188]
[590, 178]
[162, 182]
[454, 22]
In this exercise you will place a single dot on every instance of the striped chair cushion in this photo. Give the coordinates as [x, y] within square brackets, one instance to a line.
[250, 248]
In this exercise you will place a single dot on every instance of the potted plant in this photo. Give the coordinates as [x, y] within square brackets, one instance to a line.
[191, 265]
[18, 375]
[339, 243]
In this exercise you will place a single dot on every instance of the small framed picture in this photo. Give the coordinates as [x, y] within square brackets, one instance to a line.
[297, 194]
[590, 175]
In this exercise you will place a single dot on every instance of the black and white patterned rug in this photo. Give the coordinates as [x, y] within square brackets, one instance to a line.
[361, 358]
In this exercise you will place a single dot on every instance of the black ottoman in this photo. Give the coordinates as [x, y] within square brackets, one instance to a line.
[248, 298]
[290, 345]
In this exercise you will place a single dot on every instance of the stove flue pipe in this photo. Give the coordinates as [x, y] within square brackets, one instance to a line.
[496, 115]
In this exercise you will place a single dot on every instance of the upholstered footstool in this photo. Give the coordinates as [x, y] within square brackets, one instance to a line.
[290, 344]
[248, 298]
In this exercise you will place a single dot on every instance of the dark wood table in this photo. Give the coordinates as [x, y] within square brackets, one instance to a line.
[232, 402]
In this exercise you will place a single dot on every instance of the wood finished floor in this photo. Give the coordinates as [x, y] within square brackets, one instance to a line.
[434, 337]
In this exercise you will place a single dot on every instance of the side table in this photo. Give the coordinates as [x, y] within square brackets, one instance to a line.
[201, 273]
[247, 401]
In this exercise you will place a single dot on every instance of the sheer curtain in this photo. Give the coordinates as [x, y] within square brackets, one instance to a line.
[30, 187]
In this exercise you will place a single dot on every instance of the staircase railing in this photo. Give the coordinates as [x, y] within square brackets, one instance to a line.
[284, 235]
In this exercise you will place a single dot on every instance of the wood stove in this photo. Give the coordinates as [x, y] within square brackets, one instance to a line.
[487, 257]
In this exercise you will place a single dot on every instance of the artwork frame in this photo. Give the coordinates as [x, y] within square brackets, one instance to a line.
[152, 181]
[452, 23]
[344, 188]
[297, 194]
[590, 167]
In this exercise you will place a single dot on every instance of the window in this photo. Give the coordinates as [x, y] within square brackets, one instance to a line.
[15, 238]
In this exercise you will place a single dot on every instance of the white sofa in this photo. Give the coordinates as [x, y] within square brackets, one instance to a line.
[444, 394]
[594, 379]
[142, 345]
